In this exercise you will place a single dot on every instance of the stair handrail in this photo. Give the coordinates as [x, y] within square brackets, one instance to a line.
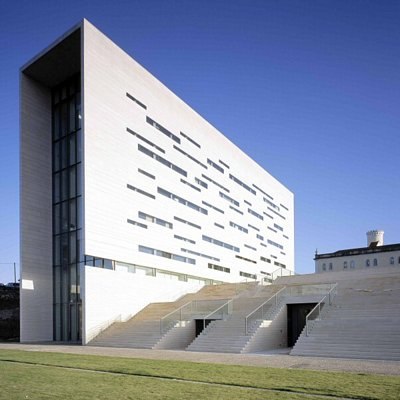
[172, 312]
[330, 295]
[228, 303]
[275, 296]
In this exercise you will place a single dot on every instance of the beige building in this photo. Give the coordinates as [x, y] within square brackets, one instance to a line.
[374, 255]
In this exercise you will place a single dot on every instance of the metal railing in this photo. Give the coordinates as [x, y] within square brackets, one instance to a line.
[221, 312]
[195, 309]
[315, 313]
[261, 310]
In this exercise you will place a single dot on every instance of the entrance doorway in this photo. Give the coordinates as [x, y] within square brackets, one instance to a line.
[200, 325]
[296, 314]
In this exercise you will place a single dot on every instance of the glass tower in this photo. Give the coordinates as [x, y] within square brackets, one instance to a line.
[67, 208]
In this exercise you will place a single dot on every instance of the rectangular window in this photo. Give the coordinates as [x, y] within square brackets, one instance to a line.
[242, 184]
[146, 173]
[224, 164]
[250, 247]
[230, 199]
[190, 157]
[278, 227]
[165, 254]
[216, 166]
[140, 191]
[267, 260]
[190, 185]
[220, 243]
[267, 215]
[260, 237]
[239, 227]
[166, 132]
[195, 253]
[201, 183]
[219, 268]
[162, 160]
[183, 221]
[279, 246]
[246, 259]
[182, 200]
[262, 191]
[235, 209]
[136, 101]
[273, 205]
[135, 189]
[253, 227]
[279, 215]
[219, 225]
[215, 183]
[214, 208]
[184, 239]
[190, 140]
[155, 220]
[247, 275]
[143, 139]
[252, 212]
[272, 229]
[130, 221]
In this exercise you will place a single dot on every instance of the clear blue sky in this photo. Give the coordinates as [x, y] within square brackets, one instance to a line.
[309, 89]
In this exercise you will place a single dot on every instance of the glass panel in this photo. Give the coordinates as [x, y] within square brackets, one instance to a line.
[72, 149]
[79, 146]
[78, 180]
[56, 157]
[57, 284]
[64, 216]
[64, 153]
[72, 215]
[72, 181]
[57, 219]
[98, 262]
[56, 123]
[57, 322]
[78, 111]
[64, 118]
[56, 188]
[89, 260]
[108, 264]
[72, 247]
[74, 322]
[64, 185]
[64, 249]
[56, 250]
[79, 212]
[72, 115]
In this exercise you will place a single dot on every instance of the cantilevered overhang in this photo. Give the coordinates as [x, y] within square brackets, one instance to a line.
[58, 62]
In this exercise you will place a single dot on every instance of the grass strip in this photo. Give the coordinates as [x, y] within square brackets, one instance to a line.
[335, 384]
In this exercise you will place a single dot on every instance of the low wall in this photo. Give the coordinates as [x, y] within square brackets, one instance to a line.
[109, 296]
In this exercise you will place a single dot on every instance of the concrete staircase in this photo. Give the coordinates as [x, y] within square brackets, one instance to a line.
[143, 330]
[363, 322]
[229, 335]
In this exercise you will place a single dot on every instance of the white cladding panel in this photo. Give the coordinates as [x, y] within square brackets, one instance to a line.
[109, 296]
[36, 292]
[112, 160]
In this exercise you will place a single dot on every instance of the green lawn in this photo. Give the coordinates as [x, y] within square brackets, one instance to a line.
[40, 375]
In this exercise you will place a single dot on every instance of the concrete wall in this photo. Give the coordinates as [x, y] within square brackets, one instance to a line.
[109, 296]
[35, 212]
[112, 160]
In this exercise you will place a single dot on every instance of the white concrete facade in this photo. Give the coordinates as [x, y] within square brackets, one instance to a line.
[163, 193]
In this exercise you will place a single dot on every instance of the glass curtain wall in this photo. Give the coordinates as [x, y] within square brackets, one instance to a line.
[67, 209]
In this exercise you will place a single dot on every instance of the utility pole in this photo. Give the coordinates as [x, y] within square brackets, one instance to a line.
[15, 274]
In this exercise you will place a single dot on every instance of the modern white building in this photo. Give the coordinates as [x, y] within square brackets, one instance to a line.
[375, 255]
[128, 196]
